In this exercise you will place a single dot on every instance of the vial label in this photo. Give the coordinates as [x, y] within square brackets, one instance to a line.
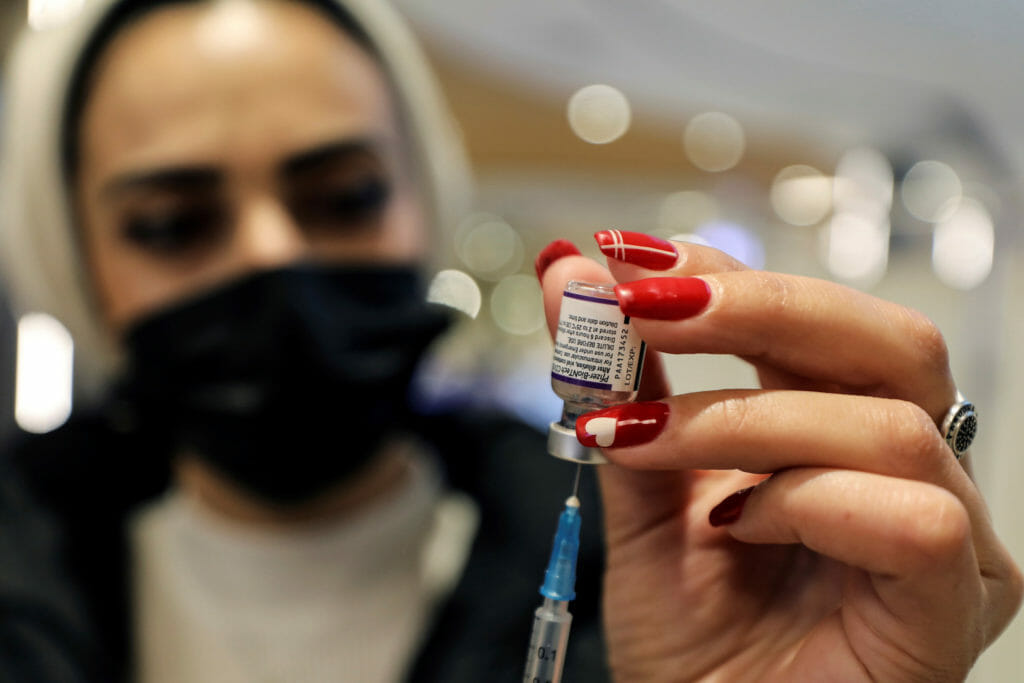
[596, 346]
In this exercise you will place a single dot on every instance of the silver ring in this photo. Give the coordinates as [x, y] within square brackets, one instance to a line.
[960, 425]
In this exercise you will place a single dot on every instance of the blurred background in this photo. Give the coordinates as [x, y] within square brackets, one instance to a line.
[873, 143]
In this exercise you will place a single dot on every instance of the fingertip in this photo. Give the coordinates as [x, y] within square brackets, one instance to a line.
[556, 250]
[731, 509]
[664, 298]
[560, 271]
[637, 248]
[624, 425]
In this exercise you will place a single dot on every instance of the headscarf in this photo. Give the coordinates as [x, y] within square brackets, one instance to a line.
[41, 259]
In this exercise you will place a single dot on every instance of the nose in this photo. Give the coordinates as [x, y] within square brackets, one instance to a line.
[267, 236]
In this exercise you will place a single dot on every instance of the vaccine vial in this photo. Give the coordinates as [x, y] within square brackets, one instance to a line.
[597, 363]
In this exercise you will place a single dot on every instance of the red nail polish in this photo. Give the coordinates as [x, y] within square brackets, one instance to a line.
[637, 248]
[553, 252]
[730, 509]
[628, 424]
[664, 298]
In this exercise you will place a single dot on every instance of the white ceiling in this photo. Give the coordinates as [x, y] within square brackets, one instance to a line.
[913, 77]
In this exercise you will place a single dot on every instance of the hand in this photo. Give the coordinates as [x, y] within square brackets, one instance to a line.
[863, 551]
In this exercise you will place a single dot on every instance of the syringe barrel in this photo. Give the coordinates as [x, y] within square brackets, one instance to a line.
[550, 636]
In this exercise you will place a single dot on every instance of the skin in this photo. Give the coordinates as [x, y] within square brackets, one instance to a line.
[252, 135]
[864, 553]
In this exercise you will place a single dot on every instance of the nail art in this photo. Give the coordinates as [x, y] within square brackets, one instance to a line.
[628, 424]
[730, 509]
[664, 298]
[551, 253]
[637, 248]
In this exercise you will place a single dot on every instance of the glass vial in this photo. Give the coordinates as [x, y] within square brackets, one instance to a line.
[597, 363]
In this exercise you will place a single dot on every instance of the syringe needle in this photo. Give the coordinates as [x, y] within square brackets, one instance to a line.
[576, 483]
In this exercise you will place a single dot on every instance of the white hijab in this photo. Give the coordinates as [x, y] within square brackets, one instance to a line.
[42, 264]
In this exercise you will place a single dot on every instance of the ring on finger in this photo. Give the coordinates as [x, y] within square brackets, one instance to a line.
[960, 425]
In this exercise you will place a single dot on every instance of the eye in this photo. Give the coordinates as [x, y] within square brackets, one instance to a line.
[175, 231]
[354, 205]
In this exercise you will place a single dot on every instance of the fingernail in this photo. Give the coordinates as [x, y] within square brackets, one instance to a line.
[551, 253]
[628, 424]
[664, 298]
[637, 248]
[730, 509]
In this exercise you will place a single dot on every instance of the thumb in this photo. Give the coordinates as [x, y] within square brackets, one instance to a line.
[559, 273]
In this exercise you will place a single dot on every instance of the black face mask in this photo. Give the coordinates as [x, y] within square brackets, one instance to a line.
[286, 381]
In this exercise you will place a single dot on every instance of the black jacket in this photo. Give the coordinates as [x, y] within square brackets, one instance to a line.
[65, 500]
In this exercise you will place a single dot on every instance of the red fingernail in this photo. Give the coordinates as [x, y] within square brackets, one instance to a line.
[637, 248]
[553, 252]
[626, 425]
[730, 509]
[664, 298]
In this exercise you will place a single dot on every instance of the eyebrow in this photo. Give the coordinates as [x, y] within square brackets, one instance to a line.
[171, 179]
[331, 153]
[193, 178]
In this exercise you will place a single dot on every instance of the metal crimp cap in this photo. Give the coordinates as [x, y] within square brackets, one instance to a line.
[562, 443]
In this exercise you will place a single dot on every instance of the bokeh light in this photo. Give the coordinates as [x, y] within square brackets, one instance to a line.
[517, 306]
[714, 141]
[684, 211]
[931, 190]
[599, 113]
[985, 195]
[456, 289]
[734, 239]
[489, 246]
[43, 373]
[863, 183]
[801, 195]
[963, 246]
[856, 248]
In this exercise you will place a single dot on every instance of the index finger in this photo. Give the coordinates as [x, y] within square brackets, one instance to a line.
[633, 256]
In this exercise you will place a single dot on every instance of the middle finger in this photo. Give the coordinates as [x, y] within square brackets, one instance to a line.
[810, 328]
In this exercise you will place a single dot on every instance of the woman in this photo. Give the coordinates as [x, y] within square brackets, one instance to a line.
[249, 193]
[250, 188]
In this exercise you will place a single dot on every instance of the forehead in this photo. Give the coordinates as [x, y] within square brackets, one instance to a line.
[231, 81]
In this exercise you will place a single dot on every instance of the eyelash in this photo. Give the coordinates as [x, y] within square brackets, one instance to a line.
[177, 231]
[351, 207]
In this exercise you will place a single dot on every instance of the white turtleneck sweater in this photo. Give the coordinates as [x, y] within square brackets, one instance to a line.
[349, 601]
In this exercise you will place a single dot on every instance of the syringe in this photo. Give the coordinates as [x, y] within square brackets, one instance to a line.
[551, 621]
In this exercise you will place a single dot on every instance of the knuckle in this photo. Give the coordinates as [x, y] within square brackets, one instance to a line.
[929, 341]
[775, 291]
[916, 441]
[1015, 586]
[1007, 592]
[941, 528]
[733, 414]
